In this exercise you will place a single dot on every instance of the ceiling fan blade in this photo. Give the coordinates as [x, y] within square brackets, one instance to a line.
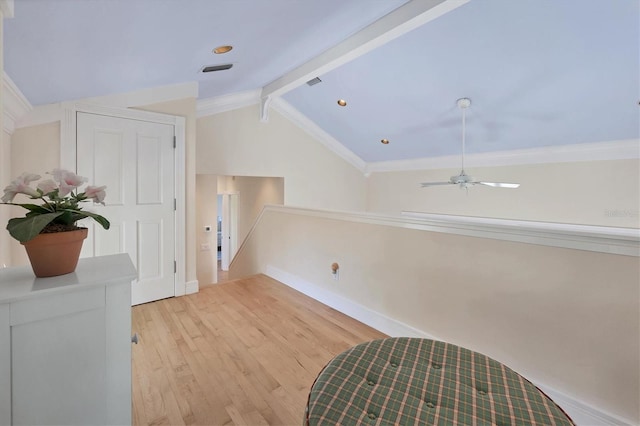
[499, 184]
[427, 184]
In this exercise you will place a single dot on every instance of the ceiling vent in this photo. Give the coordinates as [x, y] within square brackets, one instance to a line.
[212, 68]
[314, 81]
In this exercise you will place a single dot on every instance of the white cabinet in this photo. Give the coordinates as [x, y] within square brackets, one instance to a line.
[65, 344]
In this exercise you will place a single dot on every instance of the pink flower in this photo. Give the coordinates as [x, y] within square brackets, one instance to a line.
[20, 186]
[68, 181]
[97, 193]
[47, 186]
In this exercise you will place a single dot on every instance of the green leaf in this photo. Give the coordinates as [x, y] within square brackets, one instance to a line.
[26, 228]
[101, 220]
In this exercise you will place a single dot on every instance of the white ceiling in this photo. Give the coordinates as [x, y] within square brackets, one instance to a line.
[539, 72]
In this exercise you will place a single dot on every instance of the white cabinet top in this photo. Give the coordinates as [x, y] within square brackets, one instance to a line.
[20, 282]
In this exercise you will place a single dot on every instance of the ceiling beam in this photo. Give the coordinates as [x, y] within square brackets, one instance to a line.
[400, 21]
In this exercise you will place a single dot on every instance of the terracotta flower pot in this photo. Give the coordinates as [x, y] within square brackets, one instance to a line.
[55, 253]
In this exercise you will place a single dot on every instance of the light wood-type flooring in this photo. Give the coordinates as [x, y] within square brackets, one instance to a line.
[244, 352]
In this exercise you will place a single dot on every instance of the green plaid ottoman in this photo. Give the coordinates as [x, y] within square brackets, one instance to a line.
[409, 381]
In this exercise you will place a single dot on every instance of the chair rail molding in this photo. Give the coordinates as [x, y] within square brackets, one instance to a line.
[602, 239]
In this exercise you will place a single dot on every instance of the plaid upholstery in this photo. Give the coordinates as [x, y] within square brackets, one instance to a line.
[410, 381]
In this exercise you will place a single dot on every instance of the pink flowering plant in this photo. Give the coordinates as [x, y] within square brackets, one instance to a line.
[60, 207]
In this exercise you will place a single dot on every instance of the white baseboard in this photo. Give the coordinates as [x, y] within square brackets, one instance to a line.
[191, 287]
[582, 414]
[363, 314]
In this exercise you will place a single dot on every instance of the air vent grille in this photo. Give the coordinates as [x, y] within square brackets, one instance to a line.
[212, 68]
[314, 81]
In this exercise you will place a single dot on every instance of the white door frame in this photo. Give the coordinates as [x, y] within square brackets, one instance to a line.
[68, 160]
[229, 229]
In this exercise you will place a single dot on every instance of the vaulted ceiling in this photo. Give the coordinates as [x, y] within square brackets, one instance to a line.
[539, 72]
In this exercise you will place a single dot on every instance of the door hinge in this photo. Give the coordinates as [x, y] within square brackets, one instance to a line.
[175, 204]
[174, 141]
[175, 267]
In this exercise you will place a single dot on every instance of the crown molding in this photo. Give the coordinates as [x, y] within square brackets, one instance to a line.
[14, 104]
[7, 8]
[212, 106]
[598, 151]
[302, 121]
[48, 113]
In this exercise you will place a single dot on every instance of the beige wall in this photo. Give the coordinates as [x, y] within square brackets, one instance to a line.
[5, 211]
[604, 193]
[568, 319]
[236, 143]
[34, 149]
[253, 194]
[5, 164]
[206, 213]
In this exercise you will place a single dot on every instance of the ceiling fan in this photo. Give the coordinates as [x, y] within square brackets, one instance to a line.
[463, 179]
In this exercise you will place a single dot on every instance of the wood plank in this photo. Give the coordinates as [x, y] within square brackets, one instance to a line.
[243, 352]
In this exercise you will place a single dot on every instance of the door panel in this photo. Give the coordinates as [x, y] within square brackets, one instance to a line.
[135, 160]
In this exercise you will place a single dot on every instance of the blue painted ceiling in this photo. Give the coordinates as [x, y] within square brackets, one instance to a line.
[539, 72]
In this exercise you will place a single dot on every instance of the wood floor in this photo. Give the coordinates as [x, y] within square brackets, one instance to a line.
[244, 352]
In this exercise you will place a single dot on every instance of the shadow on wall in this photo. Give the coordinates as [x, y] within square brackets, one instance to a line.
[237, 200]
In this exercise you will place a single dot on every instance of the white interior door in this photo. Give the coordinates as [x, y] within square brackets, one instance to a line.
[135, 160]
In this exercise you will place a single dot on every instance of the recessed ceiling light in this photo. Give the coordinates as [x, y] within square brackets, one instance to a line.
[342, 102]
[385, 141]
[222, 49]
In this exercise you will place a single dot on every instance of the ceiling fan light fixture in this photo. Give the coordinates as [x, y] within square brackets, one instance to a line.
[222, 49]
[463, 180]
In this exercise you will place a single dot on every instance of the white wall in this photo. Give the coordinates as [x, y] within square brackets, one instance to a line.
[605, 193]
[236, 143]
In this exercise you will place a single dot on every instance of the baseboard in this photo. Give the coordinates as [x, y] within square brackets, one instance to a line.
[582, 414]
[191, 287]
[363, 314]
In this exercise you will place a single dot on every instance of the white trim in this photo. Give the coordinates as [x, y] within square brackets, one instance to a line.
[192, 287]
[181, 209]
[598, 151]
[48, 113]
[355, 310]
[302, 121]
[14, 104]
[602, 239]
[68, 160]
[580, 412]
[212, 106]
[400, 21]
[7, 8]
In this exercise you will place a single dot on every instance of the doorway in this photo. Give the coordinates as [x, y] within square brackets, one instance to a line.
[227, 229]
